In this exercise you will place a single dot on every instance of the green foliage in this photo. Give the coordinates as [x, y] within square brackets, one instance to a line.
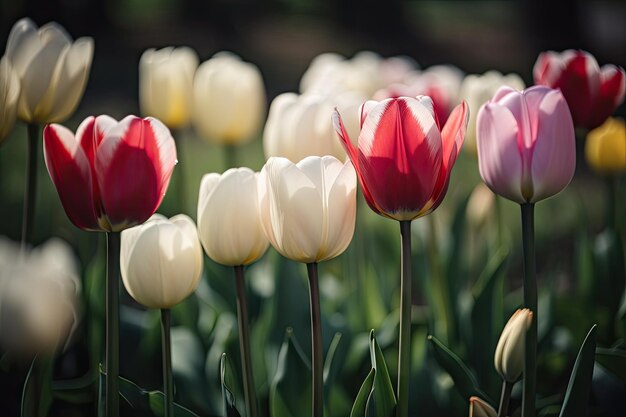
[37, 392]
[579, 387]
[226, 378]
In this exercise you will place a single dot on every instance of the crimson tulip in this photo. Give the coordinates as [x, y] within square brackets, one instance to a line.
[111, 175]
[404, 158]
[592, 93]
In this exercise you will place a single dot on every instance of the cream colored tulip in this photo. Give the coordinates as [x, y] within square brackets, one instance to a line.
[229, 223]
[308, 209]
[480, 408]
[166, 84]
[39, 297]
[481, 206]
[161, 260]
[509, 356]
[9, 95]
[52, 69]
[479, 89]
[229, 99]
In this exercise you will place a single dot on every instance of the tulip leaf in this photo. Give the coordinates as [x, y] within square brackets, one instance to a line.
[291, 389]
[579, 387]
[37, 392]
[226, 379]
[376, 396]
[463, 378]
[614, 360]
[331, 368]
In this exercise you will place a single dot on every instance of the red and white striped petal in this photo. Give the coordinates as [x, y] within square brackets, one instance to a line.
[610, 95]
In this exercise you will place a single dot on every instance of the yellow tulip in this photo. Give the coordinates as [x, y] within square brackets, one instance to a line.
[605, 149]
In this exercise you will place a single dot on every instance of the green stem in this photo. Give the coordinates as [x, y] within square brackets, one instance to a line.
[505, 397]
[404, 353]
[168, 379]
[244, 343]
[530, 301]
[112, 357]
[444, 324]
[181, 179]
[30, 193]
[230, 156]
[499, 221]
[317, 362]
[611, 208]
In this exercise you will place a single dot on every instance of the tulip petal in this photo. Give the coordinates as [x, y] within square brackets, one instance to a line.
[580, 82]
[500, 161]
[554, 154]
[610, 95]
[71, 174]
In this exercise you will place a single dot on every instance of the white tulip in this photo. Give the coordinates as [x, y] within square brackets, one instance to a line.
[166, 84]
[39, 297]
[476, 90]
[509, 356]
[52, 69]
[229, 99]
[9, 95]
[229, 223]
[480, 408]
[161, 260]
[308, 209]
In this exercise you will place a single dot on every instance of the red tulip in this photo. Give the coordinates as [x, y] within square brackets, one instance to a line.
[111, 175]
[403, 159]
[592, 93]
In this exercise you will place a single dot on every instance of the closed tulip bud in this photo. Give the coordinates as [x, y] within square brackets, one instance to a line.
[52, 69]
[229, 99]
[592, 93]
[9, 95]
[403, 158]
[308, 209]
[509, 357]
[229, 222]
[605, 148]
[526, 147]
[175, 274]
[39, 297]
[480, 408]
[110, 175]
[477, 90]
[166, 84]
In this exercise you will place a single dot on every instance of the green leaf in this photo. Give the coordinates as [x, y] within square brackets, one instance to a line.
[577, 394]
[331, 368]
[361, 403]
[614, 360]
[291, 389]
[37, 393]
[463, 378]
[226, 379]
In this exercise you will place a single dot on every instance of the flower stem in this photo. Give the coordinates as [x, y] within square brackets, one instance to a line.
[181, 179]
[404, 354]
[505, 397]
[30, 193]
[611, 212]
[316, 342]
[530, 301]
[168, 379]
[230, 156]
[112, 357]
[244, 343]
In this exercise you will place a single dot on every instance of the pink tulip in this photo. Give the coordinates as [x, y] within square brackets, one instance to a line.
[110, 175]
[526, 147]
[403, 159]
[592, 93]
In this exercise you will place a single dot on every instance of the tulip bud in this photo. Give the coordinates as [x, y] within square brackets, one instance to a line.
[605, 147]
[229, 223]
[308, 209]
[39, 297]
[166, 84]
[52, 69]
[229, 99]
[509, 357]
[161, 261]
[480, 206]
[480, 408]
[9, 95]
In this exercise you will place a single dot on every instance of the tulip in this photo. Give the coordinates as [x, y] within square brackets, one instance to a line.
[9, 95]
[228, 99]
[605, 147]
[39, 297]
[509, 356]
[52, 70]
[166, 84]
[480, 206]
[480, 408]
[110, 175]
[298, 126]
[592, 93]
[229, 223]
[477, 90]
[308, 212]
